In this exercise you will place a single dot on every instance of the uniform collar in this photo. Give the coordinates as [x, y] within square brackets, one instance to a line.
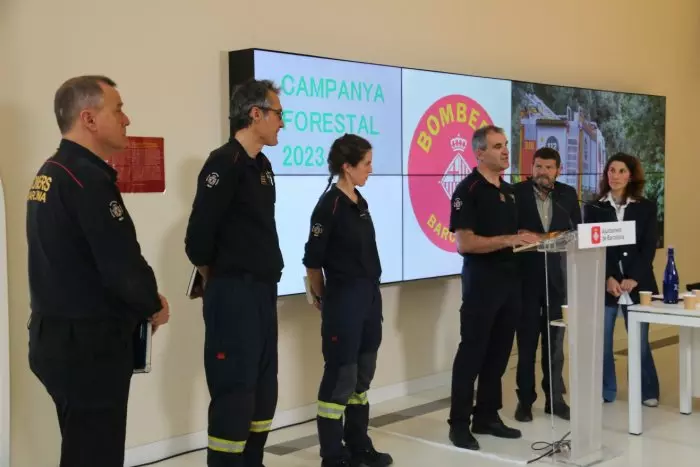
[361, 203]
[481, 177]
[77, 150]
[243, 156]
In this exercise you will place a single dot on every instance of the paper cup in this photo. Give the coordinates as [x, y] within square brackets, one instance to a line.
[689, 301]
[645, 298]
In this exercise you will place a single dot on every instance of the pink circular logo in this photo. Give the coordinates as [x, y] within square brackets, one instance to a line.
[440, 157]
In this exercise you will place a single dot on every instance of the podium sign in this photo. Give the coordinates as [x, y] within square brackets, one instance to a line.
[585, 285]
[606, 234]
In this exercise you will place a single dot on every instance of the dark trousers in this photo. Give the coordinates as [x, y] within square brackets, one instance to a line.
[488, 316]
[533, 326]
[351, 333]
[240, 362]
[86, 367]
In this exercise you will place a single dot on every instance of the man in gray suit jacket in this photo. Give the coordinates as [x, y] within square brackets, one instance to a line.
[544, 205]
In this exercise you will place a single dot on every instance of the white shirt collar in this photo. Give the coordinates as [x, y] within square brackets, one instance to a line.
[609, 198]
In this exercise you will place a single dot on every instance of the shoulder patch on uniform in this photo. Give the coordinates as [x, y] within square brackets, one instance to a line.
[317, 230]
[457, 203]
[116, 210]
[212, 180]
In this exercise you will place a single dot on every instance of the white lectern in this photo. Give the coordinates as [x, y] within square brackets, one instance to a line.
[585, 283]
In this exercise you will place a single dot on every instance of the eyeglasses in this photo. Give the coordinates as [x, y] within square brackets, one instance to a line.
[277, 111]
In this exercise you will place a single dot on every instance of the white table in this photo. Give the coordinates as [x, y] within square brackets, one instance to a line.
[688, 322]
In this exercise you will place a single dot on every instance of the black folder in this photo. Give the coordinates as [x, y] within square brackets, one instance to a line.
[142, 347]
[195, 288]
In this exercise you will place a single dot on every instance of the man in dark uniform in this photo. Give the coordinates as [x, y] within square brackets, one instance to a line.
[484, 219]
[544, 206]
[232, 240]
[90, 286]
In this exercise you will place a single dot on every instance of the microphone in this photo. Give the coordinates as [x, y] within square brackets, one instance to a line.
[550, 190]
[568, 216]
[592, 204]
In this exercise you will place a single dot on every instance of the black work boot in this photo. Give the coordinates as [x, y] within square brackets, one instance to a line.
[336, 463]
[462, 437]
[494, 427]
[224, 459]
[370, 458]
[254, 449]
[561, 409]
[523, 413]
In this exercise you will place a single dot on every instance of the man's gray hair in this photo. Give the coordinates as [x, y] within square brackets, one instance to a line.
[77, 94]
[479, 138]
[253, 93]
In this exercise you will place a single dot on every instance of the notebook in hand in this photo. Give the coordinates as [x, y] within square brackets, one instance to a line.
[195, 288]
[142, 347]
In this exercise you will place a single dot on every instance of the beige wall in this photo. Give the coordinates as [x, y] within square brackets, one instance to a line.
[168, 59]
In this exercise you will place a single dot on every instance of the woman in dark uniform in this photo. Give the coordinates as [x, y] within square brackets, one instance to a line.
[629, 268]
[342, 247]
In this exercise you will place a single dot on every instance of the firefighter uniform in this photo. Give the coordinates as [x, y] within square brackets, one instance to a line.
[342, 243]
[490, 307]
[90, 287]
[232, 230]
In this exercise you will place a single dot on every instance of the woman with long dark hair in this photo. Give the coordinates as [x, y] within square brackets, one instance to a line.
[629, 268]
[342, 247]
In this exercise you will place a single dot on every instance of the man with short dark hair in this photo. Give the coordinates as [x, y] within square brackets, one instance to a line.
[544, 206]
[232, 240]
[484, 221]
[90, 286]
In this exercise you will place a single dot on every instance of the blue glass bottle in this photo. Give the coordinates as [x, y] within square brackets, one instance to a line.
[671, 283]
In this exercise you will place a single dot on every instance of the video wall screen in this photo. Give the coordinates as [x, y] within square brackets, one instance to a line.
[420, 124]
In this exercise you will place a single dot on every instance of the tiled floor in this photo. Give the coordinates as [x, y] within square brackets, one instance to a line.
[414, 431]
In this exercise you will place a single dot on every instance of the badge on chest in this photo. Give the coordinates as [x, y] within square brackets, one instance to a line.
[266, 178]
[503, 197]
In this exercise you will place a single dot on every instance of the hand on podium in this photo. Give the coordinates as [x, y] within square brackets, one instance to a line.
[525, 237]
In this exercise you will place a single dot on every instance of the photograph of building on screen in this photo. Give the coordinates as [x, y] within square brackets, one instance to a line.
[586, 127]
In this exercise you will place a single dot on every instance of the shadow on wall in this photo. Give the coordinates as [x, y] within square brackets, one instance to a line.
[33, 413]
[421, 306]
[300, 354]
[182, 361]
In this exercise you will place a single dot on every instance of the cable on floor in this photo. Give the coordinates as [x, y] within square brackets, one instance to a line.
[557, 447]
[158, 461]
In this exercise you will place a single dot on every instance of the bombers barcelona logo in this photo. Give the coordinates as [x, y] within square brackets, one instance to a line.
[440, 157]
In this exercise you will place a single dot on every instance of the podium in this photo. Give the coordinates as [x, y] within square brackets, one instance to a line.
[584, 250]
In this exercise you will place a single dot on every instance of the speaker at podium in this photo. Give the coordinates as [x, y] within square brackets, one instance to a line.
[583, 318]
